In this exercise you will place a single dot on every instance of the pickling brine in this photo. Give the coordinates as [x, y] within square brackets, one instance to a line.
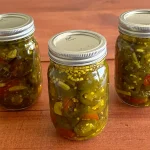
[78, 95]
[20, 69]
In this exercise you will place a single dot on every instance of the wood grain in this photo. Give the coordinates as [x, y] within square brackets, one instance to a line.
[70, 5]
[31, 129]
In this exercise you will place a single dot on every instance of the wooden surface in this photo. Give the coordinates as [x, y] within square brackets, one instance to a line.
[128, 128]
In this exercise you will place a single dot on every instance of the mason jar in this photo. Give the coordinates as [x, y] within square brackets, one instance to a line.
[20, 69]
[78, 83]
[132, 59]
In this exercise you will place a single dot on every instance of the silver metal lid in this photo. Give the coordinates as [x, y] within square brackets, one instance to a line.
[15, 26]
[135, 23]
[77, 48]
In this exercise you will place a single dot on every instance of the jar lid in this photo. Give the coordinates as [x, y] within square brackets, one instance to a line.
[135, 23]
[15, 26]
[77, 48]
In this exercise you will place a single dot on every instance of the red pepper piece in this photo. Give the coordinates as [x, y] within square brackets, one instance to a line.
[138, 100]
[9, 84]
[3, 89]
[90, 116]
[1, 93]
[1, 60]
[67, 103]
[147, 80]
[65, 132]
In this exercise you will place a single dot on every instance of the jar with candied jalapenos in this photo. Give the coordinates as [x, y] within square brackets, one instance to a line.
[78, 84]
[20, 70]
[132, 59]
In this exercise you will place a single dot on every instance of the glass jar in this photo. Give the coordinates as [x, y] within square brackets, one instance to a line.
[20, 69]
[78, 84]
[132, 59]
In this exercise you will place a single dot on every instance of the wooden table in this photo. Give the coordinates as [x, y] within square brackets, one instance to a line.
[128, 128]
